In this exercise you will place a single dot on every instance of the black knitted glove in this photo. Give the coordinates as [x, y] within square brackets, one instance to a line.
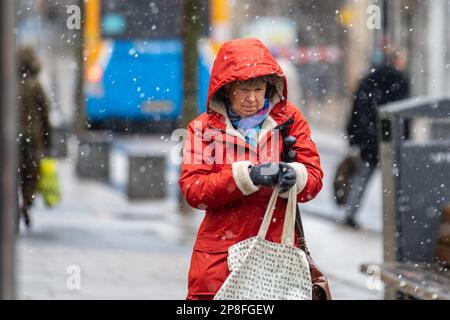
[287, 178]
[266, 174]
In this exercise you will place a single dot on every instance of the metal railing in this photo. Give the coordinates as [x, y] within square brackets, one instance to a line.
[8, 153]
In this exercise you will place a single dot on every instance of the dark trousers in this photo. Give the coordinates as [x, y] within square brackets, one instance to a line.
[28, 178]
[358, 183]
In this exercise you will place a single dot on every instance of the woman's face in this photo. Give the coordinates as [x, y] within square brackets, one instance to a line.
[247, 98]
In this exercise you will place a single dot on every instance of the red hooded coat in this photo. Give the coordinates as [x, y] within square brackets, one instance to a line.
[214, 174]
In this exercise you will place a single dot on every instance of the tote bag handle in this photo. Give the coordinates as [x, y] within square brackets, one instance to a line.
[287, 237]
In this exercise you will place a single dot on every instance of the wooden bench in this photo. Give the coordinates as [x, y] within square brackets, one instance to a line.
[415, 281]
[443, 243]
[424, 281]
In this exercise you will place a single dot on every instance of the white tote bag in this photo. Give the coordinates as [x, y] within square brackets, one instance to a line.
[264, 270]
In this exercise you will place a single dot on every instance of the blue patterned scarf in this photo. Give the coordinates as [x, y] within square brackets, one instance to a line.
[249, 126]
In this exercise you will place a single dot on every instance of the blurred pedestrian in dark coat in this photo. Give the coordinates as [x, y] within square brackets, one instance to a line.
[385, 83]
[33, 127]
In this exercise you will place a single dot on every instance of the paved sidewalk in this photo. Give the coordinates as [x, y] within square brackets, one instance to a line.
[339, 252]
[124, 250]
[141, 250]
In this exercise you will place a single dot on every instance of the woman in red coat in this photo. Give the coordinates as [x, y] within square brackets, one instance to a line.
[231, 158]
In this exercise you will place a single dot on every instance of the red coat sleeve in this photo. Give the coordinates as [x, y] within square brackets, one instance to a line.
[204, 188]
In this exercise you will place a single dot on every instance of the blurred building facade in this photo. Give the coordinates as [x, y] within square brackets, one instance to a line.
[42, 24]
[306, 33]
[418, 29]
[326, 46]
[422, 28]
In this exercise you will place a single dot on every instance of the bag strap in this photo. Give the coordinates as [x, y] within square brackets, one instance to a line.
[288, 233]
[288, 236]
[269, 213]
[299, 231]
[298, 217]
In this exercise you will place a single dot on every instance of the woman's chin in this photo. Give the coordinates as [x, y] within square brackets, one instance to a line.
[248, 113]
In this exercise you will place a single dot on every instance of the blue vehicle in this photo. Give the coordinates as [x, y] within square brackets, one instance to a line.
[134, 65]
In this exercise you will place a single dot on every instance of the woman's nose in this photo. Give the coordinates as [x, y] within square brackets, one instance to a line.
[251, 96]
